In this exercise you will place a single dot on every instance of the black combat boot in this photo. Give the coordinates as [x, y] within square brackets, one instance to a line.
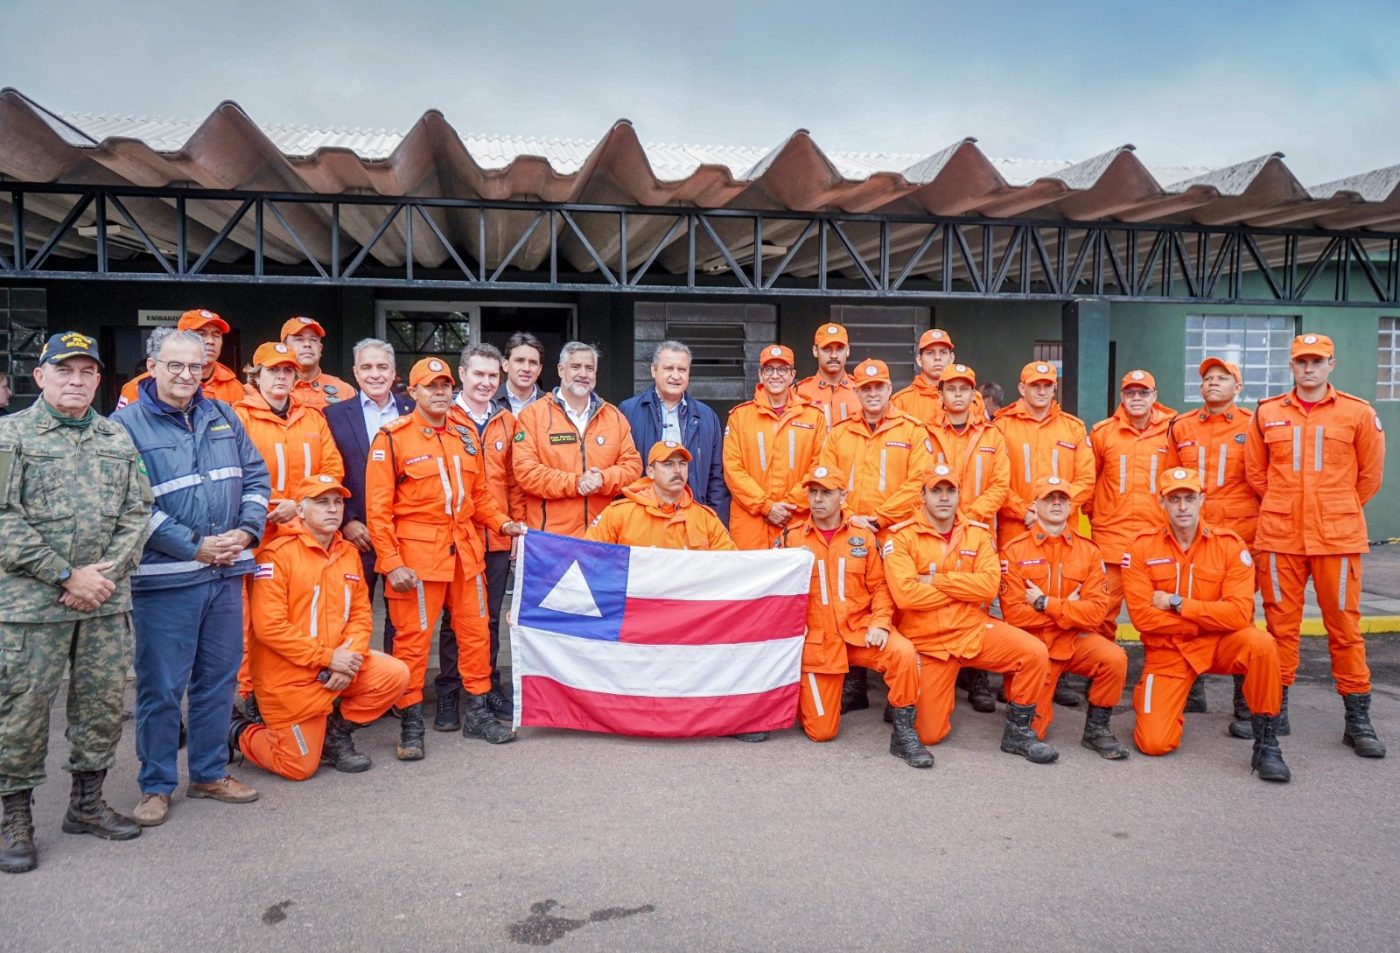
[1283, 727]
[447, 718]
[499, 702]
[752, 737]
[250, 709]
[1099, 737]
[1196, 697]
[1243, 725]
[17, 852]
[904, 740]
[89, 814]
[1267, 758]
[854, 691]
[339, 750]
[237, 724]
[1064, 695]
[1359, 734]
[979, 692]
[410, 746]
[1020, 738]
[480, 723]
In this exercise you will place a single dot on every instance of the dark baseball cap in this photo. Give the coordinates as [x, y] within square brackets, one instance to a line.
[67, 344]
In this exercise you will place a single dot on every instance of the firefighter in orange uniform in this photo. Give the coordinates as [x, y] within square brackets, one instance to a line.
[218, 381]
[943, 571]
[923, 398]
[1190, 592]
[1053, 586]
[573, 450]
[849, 615]
[425, 505]
[318, 679]
[1042, 440]
[769, 442]
[1315, 456]
[829, 388]
[660, 510]
[305, 337]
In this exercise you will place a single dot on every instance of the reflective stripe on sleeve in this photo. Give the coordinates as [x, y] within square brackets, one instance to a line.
[158, 518]
[224, 473]
[179, 483]
[254, 498]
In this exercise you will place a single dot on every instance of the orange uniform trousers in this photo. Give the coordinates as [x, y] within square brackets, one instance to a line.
[1103, 662]
[415, 616]
[1005, 649]
[1160, 697]
[294, 751]
[1337, 582]
[819, 702]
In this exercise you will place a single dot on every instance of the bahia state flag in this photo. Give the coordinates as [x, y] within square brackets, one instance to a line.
[656, 642]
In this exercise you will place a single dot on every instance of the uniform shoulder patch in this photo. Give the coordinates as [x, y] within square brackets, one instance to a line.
[1245, 558]
[888, 548]
[263, 571]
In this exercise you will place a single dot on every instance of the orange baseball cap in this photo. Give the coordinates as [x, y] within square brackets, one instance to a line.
[273, 354]
[870, 371]
[935, 336]
[942, 473]
[299, 324]
[831, 334]
[829, 478]
[319, 484]
[776, 354]
[430, 369]
[1179, 479]
[958, 372]
[1139, 378]
[1039, 371]
[1312, 345]
[1232, 369]
[201, 318]
[665, 450]
[1050, 484]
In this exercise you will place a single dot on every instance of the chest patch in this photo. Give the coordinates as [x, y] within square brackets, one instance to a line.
[1031, 562]
[1275, 423]
[418, 459]
[555, 439]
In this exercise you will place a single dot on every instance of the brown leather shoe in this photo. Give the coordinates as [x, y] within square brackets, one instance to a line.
[152, 811]
[230, 790]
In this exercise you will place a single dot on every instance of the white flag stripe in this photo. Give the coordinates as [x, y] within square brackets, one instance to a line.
[718, 575]
[666, 671]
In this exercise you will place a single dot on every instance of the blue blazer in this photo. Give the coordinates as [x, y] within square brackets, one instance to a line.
[701, 434]
[347, 423]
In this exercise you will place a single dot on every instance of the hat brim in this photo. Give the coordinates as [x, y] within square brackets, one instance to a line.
[1310, 352]
[60, 358]
[1210, 362]
[434, 376]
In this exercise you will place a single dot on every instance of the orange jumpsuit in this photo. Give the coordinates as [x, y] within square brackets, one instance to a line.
[550, 455]
[1214, 444]
[886, 465]
[978, 456]
[766, 453]
[223, 384]
[1214, 634]
[321, 391]
[837, 402]
[924, 401]
[1056, 446]
[1125, 501]
[307, 600]
[848, 597]
[947, 618]
[425, 505]
[640, 519]
[1314, 470]
[1069, 569]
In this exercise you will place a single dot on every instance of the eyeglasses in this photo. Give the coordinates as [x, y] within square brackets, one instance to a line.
[178, 368]
[774, 370]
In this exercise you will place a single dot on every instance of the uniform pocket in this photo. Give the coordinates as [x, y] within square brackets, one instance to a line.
[1275, 518]
[14, 679]
[1341, 513]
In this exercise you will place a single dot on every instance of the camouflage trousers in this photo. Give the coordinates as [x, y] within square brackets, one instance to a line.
[32, 660]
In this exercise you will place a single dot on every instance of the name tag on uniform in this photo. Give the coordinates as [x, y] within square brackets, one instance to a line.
[986, 449]
[968, 552]
[418, 459]
[351, 577]
[217, 427]
[1030, 562]
[1162, 561]
[897, 443]
[798, 423]
[1066, 444]
[1275, 423]
[558, 438]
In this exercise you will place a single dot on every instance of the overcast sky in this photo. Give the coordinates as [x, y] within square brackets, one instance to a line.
[1187, 82]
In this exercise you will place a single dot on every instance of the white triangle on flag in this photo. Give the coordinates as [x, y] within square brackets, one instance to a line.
[572, 595]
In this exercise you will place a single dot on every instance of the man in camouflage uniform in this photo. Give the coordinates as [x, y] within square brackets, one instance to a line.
[74, 504]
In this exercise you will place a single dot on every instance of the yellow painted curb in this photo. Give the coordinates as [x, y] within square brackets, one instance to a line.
[1370, 625]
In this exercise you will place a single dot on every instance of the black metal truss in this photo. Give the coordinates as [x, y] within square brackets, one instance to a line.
[711, 252]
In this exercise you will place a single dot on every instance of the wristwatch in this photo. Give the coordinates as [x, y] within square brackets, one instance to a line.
[1039, 604]
[64, 575]
[1175, 603]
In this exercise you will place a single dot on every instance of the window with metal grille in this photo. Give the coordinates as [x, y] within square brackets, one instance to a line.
[23, 330]
[724, 342]
[888, 334]
[1258, 343]
[1388, 360]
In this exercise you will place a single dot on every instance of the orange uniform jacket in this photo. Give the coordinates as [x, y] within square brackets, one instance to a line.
[640, 519]
[222, 385]
[978, 456]
[294, 448]
[325, 389]
[1314, 471]
[1214, 446]
[924, 401]
[947, 617]
[496, 443]
[1060, 566]
[766, 454]
[305, 601]
[1130, 462]
[425, 497]
[848, 595]
[550, 455]
[1056, 446]
[837, 403]
[886, 468]
[1214, 577]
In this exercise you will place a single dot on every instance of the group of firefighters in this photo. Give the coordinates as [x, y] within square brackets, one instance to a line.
[946, 537]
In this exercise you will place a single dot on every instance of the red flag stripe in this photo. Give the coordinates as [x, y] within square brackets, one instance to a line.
[547, 703]
[705, 622]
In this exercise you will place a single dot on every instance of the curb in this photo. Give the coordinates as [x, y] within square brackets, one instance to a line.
[1370, 625]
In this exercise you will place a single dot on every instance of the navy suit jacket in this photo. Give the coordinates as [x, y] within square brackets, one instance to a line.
[347, 422]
